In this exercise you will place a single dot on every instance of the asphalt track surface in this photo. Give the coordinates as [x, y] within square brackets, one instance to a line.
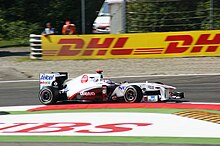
[200, 88]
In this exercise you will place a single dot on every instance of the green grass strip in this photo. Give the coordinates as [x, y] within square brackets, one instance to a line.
[112, 139]
[12, 43]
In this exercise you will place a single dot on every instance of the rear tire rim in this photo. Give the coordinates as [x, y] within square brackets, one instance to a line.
[46, 96]
[130, 95]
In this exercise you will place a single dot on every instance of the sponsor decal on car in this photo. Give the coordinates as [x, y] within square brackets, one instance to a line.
[152, 98]
[84, 79]
[87, 93]
[122, 87]
[42, 82]
[150, 87]
[46, 77]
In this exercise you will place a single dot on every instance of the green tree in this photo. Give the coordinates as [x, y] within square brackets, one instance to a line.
[170, 15]
[19, 18]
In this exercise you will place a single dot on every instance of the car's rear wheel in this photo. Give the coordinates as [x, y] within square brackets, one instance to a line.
[48, 95]
[133, 94]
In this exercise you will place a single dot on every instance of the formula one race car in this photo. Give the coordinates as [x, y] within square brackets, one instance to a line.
[54, 87]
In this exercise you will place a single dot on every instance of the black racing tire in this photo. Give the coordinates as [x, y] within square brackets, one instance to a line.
[48, 95]
[133, 94]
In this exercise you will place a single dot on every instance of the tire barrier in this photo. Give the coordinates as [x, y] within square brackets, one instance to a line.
[35, 46]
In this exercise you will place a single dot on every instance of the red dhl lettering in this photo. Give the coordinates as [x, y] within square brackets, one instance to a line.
[79, 43]
[74, 47]
[176, 44]
[182, 43]
[173, 46]
[94, 42]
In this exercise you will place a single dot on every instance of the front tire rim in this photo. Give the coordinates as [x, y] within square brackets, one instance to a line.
[130, 95]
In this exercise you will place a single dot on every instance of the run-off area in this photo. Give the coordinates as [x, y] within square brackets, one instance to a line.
[107, 124]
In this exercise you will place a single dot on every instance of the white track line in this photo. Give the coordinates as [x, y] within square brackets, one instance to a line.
[178, 75]
[116, 77]
[19, 108]
[202, 103]
[18, 81]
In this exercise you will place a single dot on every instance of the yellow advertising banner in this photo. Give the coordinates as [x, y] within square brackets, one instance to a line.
[138, 45]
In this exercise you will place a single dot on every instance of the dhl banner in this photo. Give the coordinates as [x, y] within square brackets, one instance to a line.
[141, 45]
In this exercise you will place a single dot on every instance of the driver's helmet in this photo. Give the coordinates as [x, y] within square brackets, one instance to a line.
[100, 72]
[108, 81]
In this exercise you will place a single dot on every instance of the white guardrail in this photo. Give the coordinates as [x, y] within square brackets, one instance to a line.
[35, 46]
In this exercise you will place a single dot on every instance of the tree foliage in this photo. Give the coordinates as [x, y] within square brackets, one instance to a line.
[171, 15]
[19, 18]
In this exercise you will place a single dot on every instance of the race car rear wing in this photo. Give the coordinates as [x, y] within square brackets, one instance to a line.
[55, 79]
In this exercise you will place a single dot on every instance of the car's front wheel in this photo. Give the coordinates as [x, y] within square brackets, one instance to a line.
[48, 95]
[133, 94]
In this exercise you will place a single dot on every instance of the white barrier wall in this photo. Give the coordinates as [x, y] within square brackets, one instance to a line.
[35, 46]
[116, 8]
